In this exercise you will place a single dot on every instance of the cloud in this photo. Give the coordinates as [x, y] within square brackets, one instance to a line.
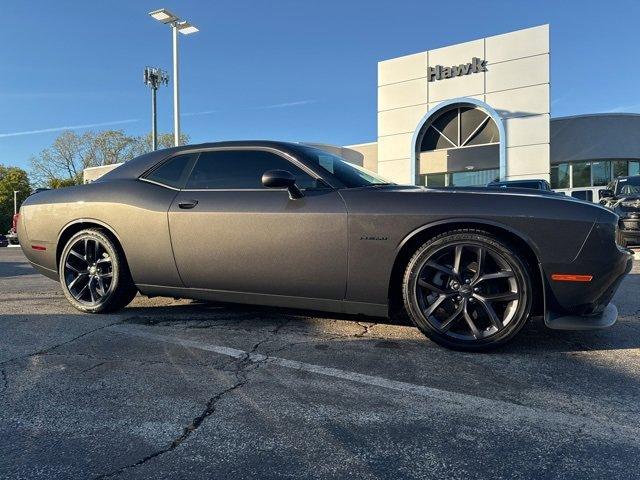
[195, 114]
[70, 127]
[286, 104]
[260, 107]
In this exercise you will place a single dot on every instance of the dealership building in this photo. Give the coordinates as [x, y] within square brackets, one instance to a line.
[479, 111]
[471, 113]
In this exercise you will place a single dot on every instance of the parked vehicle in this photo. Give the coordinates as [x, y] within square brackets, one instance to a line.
[533, 184]
[289, 225]
[12, 236]
[622, 196]
[3, 241]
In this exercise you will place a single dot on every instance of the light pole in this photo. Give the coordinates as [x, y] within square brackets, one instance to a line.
[154, 77]
[177, 25]
[15, 202]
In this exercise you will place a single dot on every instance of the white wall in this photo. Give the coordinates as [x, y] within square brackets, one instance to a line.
[516, 84]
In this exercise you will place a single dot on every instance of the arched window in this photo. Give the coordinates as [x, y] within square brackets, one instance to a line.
[461, 146]
[460, 127]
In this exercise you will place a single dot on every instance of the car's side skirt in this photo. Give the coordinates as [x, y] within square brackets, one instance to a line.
[302, 303]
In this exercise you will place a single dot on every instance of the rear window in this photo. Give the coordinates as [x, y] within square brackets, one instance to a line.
[174, 171]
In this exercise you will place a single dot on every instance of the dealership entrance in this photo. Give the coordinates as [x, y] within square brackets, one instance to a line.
[459, 143]
[465, 114]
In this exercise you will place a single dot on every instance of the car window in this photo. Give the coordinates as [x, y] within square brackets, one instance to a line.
[629, 186]
[243, 169]
[173, 172]
[583, 195]
[352, 176]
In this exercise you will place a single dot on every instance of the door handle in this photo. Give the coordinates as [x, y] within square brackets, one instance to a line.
[187, 204]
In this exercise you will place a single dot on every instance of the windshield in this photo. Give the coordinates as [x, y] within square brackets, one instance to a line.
[352, 176]
[629, 186]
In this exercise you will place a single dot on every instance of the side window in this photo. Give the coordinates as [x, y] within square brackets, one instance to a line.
[242, 169]
[583, 195]
[174, 171]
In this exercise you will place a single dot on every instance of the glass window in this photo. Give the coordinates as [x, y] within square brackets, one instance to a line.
[173, 172]
[581, 176]
[560, 176]
[634, 168]
[447, 124]
[352, 176]
[460, 127]
[476, 178]
[242, 169]
[601, 172]
[628, 186]
[435, 180]
[620, 168]
[583, 195]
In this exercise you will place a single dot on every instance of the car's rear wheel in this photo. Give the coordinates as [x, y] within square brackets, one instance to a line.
[468, 290]
[94, 274]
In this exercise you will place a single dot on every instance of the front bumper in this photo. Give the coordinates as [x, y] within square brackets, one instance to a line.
[605, 319]
[585, 305]
[630, 229]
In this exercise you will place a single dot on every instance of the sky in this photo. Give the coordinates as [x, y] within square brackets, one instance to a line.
[297, 70]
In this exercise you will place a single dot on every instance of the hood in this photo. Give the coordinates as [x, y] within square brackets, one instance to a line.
[507, 192]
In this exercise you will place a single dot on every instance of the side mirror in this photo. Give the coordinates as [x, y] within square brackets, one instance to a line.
[605, 193]
[282, 179]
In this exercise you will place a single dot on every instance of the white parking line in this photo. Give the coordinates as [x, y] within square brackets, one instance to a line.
[470, 405]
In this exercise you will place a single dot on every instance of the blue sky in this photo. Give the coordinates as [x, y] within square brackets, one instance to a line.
[280, 69]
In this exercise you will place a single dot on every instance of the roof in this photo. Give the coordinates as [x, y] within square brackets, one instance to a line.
[598, 136]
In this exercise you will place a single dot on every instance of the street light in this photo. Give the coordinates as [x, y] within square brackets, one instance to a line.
[177, 25]
[154, 77]
[15, 202]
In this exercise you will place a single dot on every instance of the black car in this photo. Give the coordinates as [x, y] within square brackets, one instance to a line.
[288, 225]
[623, 197]
[3, 241]
[534, 184]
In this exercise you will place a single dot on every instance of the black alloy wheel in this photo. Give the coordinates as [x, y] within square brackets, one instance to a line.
[468, 290]
[94, 275]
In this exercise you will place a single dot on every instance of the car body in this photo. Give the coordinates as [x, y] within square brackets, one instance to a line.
[622, 196]
[199, 222]
[3, 241]
[535, 184]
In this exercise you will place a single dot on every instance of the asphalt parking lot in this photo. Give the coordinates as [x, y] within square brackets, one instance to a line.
[175, 389]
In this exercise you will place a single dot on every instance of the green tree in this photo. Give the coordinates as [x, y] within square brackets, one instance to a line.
[11, 179]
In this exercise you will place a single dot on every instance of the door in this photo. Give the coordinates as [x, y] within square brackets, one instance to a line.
[230, 233]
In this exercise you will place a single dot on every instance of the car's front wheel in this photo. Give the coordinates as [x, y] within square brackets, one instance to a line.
[94, 274]
[468, 290]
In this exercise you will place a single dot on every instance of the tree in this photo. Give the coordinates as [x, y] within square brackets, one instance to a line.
[62, 164]
[69, 155]
[111, 146]
[165, 140]
[11, 179]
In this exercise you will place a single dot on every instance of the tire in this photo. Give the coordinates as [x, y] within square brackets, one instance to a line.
[94, 274]
[463, 307]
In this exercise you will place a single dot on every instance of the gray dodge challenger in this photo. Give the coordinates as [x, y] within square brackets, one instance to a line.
[289, 225]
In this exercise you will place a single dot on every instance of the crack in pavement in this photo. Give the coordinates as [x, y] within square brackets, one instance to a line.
[244, 364]
[92, 367]
[67, 342]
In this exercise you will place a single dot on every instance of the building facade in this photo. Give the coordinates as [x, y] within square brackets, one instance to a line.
[468, 114]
